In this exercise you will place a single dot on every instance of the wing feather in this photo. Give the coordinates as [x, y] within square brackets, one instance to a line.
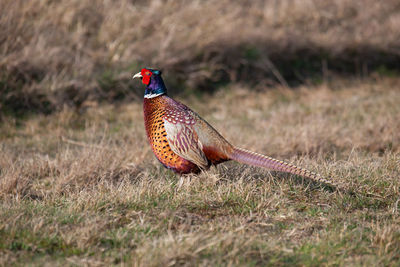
[183, 140]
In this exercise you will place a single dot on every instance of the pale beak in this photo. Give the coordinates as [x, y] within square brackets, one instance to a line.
[137, 75]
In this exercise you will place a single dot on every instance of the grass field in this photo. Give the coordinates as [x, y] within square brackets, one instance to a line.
[84, 188]
[75, 52]
[316, 83]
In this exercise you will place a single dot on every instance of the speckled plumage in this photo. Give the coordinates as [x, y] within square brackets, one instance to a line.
[163, 116]
[155, 111]
[185, 143]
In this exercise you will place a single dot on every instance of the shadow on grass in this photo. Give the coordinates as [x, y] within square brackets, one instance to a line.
[257, 63]
[270, 63]
[234, 172]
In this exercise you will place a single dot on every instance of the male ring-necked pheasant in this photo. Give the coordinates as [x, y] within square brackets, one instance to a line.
[185, 143]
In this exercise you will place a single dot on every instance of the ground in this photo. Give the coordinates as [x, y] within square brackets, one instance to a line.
[83, 187]
[315, 83]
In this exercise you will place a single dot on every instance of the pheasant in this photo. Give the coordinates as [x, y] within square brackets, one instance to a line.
[185, 143]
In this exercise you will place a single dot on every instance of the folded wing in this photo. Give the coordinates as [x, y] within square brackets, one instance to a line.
[184, 141]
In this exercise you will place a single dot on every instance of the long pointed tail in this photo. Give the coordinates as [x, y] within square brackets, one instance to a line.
[255, 159]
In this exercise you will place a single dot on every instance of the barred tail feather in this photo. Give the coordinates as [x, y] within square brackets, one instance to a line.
[255, 159]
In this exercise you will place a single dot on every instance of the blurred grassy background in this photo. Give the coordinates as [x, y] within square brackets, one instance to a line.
[79, 52]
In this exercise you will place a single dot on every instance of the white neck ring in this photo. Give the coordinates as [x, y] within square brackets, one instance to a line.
[152, 95]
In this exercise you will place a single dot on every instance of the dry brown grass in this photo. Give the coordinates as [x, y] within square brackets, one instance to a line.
[81, 186]
[56, 53]
[84, 188]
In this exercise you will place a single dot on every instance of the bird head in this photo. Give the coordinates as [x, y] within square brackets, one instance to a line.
[153, 81]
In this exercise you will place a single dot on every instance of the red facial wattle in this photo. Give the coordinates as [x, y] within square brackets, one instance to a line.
[146, 74]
